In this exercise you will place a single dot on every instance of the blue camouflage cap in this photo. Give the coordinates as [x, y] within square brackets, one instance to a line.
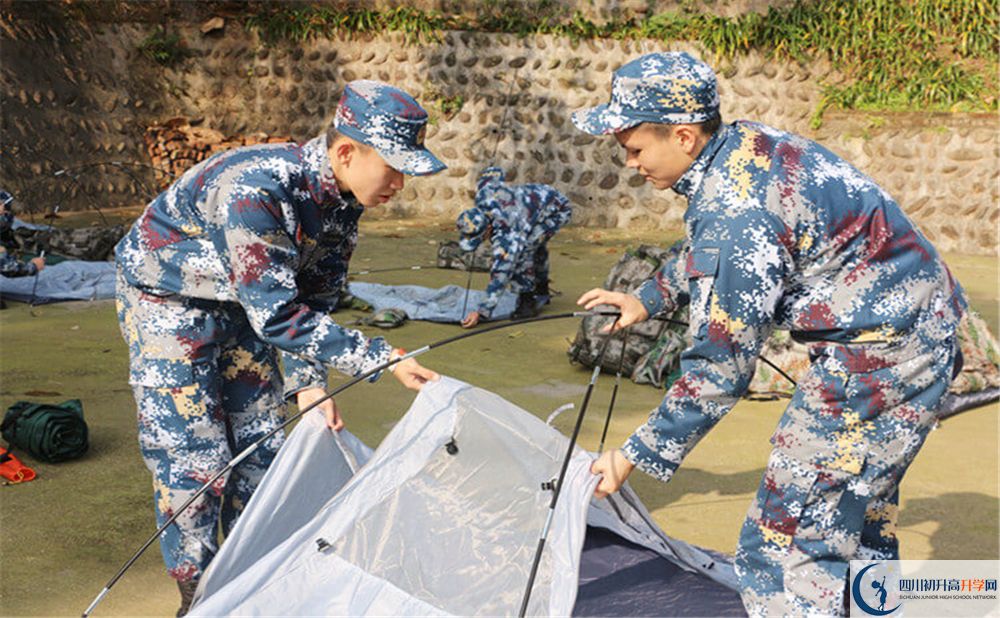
[471, 226]
[391, 122]
[663, 87]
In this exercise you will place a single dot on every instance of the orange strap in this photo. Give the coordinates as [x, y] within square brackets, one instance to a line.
[12, 469]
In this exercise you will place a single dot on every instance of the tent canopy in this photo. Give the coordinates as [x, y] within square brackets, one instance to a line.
[443, 519]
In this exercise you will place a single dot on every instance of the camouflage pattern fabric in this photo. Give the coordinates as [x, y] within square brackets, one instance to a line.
[523, 219]
[785, 234]
[451, 255]
[10, 266]
[196, 414]
[242, 257]
[830, 491]
[390, 121]
[266, 227]
[666, 88]
[652, 350]
[980, 360]
[93, 244]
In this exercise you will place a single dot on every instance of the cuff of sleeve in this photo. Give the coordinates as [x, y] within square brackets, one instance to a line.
[484, 312]
[379, 352]
[291, 391]
[651, 297]
[32, 269]
[300, 373]
[647, 460]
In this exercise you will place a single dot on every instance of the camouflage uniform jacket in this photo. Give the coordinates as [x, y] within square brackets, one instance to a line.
[782, 233]
[266, 227]
[522, 218]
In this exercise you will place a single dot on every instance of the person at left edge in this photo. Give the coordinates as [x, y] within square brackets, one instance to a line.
[236, 263]
[10, 266]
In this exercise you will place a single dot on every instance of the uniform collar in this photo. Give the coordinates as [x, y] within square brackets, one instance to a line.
[319, 174]
[688, 184]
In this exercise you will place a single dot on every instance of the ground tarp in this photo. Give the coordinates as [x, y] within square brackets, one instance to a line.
[67, 280]
[429, 304]
[422, 528]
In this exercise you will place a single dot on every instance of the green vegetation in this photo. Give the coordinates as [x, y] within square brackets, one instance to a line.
[303, 23]
[442, 105]
[932, 55]
[164, 48]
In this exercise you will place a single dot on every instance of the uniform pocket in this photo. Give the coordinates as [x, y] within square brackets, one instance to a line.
[808, 505]
[168, 339]
[701, 269]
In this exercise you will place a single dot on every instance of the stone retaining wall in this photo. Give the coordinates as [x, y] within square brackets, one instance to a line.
[74, 93]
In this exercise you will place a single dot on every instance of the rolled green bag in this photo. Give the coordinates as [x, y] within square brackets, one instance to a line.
[48, 432]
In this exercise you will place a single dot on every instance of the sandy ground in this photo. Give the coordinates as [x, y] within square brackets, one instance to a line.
[65, 534]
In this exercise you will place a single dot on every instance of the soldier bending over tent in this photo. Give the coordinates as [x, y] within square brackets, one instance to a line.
[783, 233]
[239, 261]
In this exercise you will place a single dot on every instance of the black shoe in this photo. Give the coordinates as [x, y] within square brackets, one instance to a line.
[187, 595]
[542, 288]
[527, 307]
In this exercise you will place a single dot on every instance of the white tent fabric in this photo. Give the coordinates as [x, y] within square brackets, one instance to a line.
[421, 529]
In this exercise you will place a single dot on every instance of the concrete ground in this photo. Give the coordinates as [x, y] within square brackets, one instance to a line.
[65, 534]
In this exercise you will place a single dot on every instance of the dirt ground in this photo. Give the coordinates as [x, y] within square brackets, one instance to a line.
[64, 535]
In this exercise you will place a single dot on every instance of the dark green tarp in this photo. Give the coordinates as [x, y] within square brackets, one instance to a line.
[48, 432]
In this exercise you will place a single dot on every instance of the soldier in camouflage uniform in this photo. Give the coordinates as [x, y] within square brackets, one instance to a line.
[238, 262]
[519, 220]
[10, 266]
[784, 234]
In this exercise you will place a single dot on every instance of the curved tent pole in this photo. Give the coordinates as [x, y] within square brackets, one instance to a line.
[614, 390]
[437, 344]
[250, 449]
[557, 488]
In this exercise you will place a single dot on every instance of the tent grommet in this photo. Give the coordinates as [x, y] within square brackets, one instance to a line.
[451, 447]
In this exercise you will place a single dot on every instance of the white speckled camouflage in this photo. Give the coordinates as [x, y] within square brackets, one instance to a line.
[523, 218]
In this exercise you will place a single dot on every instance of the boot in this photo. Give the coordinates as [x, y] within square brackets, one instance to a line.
[542, 290]
[526, 306]
[187, 595]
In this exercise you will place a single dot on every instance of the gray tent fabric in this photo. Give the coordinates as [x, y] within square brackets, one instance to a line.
[429, 304]
[68, 280]
[425, 529]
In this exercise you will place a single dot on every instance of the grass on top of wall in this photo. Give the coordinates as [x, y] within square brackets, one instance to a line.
[931, 55]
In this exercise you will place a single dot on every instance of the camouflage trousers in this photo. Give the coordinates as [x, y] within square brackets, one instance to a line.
[533, 272]
[206, 388]
[830, 490]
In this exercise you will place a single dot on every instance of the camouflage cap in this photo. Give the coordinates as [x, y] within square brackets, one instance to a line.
[663, 87]
[471, 226]
[391, 122]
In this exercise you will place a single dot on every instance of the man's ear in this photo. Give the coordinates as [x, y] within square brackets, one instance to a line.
[343, 152]
[686, 136]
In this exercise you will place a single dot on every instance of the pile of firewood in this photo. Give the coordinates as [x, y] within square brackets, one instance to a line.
[175, 145]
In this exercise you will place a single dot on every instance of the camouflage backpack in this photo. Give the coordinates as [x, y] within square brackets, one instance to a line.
[652, 349]
[93, 244]
[450, 256]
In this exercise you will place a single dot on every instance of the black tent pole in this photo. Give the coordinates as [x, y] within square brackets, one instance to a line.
[614, 391]
[468, 286]
[250, 449]
[562, 474]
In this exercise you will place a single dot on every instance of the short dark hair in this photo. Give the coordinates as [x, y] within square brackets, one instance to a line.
[708, 127]
[332, 134]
